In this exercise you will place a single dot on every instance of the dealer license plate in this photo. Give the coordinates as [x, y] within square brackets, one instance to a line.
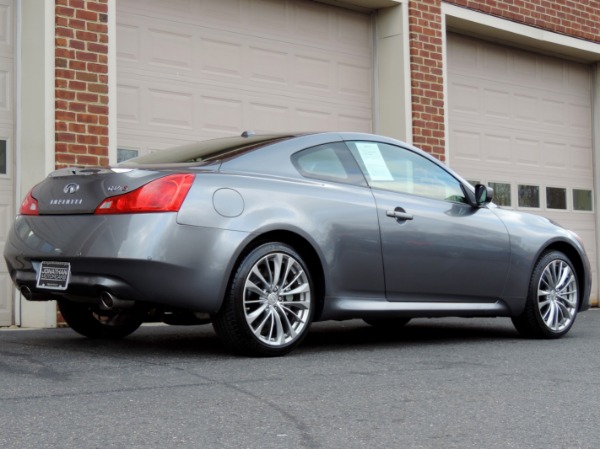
[54, 275]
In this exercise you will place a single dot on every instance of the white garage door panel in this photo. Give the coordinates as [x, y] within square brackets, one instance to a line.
[523, 118]
[194, 70]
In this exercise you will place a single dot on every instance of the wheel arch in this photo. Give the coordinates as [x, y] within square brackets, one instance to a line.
[578, 263]
[306, 250]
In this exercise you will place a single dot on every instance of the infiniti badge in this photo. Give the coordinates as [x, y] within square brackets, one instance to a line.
[71, 188]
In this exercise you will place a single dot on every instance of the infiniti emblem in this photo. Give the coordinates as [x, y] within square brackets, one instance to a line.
[71, 188]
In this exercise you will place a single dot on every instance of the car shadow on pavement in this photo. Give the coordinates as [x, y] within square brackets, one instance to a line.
[201, 341]
[359, 334]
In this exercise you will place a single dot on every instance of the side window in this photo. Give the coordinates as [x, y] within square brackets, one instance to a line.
[329, 162]
[400, 170]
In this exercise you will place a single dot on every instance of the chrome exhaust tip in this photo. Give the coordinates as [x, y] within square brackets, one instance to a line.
[110, 302]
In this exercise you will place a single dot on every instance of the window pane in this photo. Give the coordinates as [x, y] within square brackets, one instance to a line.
[124, 154]
[529, 196]
[556, 198]
[582, 200]
[501, 193]
[322, 162]
[329, 162]
[400, 170]
[2, 157]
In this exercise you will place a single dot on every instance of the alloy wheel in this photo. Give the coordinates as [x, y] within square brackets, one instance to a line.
[557, 295]
[277, 299]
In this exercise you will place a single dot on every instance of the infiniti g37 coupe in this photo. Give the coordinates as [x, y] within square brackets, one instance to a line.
[262, 235]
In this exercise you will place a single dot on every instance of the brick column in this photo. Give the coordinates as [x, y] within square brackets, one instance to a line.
[427, 81]
[81, 82]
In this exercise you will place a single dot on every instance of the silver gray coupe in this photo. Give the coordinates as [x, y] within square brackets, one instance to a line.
[264, 234]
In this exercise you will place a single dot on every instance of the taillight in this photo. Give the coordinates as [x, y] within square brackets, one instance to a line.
[162, 195]
[29, 206]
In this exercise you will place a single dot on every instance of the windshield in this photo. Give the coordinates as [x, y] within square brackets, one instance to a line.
[206, 152]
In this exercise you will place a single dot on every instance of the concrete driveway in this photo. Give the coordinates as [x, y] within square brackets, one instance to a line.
[443, 383]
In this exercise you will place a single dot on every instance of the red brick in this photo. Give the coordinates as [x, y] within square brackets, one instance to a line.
[86, 76]
[87, 97]
[64, 94]
[87, 139]
[65, 116]
[61, 105]
[78, 149]
[75, 106]
[65, 137]
[88, 16]
[64, 11]
[98, 150]
[97, 48]
[86, 159]
[77, 45]
[98, 68]
[98, 7]
[61, 42]
[86, 56]
[95, 27]
[77, 65]
[86, 36]
[77, 85]
[98, 88]
[98, 130]
[64, 32]
[77, 24]
[64, 159]
[87, 118]
[96, 109]
[61, 63]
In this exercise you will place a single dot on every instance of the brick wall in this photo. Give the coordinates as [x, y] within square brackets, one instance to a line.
[573, 18]
[81, 82]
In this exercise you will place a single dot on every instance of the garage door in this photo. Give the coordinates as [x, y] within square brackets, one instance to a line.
[189, 71]
[6, 148]
[521, 121]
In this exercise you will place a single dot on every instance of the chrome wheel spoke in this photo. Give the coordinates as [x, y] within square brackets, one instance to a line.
[251, 317]
[557, 295]
[251, 286]
[296, 304]
[285, 322]
[277, 299]
[256, 272]
[277, 263]
[300, 289]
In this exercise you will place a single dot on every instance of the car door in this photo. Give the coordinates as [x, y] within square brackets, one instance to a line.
[435, 246]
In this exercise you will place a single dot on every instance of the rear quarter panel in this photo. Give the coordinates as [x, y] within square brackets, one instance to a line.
[338, 220]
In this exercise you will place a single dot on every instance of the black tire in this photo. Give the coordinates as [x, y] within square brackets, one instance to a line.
[552, 299]
[90, 321]
[388, 324]
[259, 316]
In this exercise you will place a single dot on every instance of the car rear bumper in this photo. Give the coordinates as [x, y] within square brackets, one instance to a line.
[146, 257]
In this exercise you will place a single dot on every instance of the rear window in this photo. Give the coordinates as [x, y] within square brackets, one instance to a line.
[206, 152]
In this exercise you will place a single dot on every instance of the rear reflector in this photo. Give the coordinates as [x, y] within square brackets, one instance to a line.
[161, 195]
[29, 206]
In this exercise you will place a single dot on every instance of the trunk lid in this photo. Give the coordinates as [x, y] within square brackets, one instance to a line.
[81, 190]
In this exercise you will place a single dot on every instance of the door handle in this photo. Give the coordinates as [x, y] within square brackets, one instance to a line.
[399, 214]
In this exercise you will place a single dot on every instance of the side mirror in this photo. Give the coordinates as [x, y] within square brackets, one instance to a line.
[483, 195]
